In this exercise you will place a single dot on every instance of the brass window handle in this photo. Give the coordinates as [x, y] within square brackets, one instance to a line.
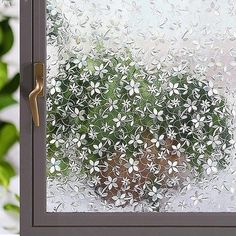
[37, 92]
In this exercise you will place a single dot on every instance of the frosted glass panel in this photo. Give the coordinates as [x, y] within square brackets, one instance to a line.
[141, 106]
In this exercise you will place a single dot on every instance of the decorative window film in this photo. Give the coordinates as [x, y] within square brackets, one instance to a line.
[141, 106]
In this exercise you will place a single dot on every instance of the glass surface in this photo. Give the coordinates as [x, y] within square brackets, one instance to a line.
[141, 105]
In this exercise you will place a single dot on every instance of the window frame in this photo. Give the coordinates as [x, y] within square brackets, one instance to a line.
[34, 218]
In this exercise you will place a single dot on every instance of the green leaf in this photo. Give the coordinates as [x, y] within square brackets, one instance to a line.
[6, 173]
[3, 74]
[8, 167]
[4, 179]
[6, 100]
[11, 86]
[8, 136]
[9, 207]
[6, 37]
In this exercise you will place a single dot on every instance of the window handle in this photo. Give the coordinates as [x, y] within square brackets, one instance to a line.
[37, 92]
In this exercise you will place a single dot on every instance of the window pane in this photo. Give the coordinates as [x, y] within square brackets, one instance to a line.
[141, 105]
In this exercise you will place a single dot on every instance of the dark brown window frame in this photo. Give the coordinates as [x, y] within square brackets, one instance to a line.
[34, 218]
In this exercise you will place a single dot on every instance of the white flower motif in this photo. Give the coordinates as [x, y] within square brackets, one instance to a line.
[119, 199]
[200, 148]
[74, 166]
[173, 88]
[214, 141]
[156, 115]
[122, 148]
[210, 166]
[105, 127]
[57, 140]
[95, 102]
[205, 104]
[79, 114]
[153, 89]
[171, 134]
[123, 69]
[112, 104]
[197, 198]
[179, 71]
[211, 90]
[191, 105]
[119, 120]
[73, 88]
[125, 182]
[177, 149]
[100, 70]
[135, 140]
[184, 128]
[95, 88]
[132, 165]
[155, 194]
[83, 155]
[84, 77]
[111, 182]
[92, 134]
[174, 102]
[83, 62]
[132, 87]
[173, 166]
[198, 120]
[98, 149]
[94, 166]
[55, 86]
[55, 165]
[126, 104]
[158, 140]
[80, 139]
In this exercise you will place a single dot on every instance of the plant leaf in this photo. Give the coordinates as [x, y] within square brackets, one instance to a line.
[8, 167]
[6, 37]
[9, 207]
[11, 86]
[6, 173]
[8, 136]
[4, 177]
[6, 100]
[3, 74]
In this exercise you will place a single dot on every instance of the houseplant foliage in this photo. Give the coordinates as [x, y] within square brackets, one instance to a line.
[134, 133]
[8, 131]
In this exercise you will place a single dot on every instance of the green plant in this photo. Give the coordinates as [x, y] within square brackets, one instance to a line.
[8, 132]
[120, 120]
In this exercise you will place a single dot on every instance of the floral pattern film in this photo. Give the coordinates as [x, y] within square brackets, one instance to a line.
[141, 106]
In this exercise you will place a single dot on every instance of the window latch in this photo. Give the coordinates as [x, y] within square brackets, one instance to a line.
[38, 91]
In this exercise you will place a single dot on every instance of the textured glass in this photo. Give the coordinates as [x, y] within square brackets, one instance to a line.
[141, 105]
